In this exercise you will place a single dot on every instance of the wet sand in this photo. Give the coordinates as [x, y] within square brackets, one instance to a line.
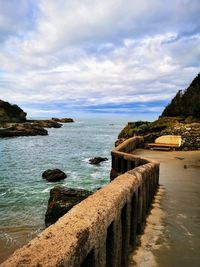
[172, 233]
[15, 237]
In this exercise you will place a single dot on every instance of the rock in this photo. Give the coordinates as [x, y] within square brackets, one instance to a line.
[53, 175]
[61, 200]
[46, 123]
[22, 129]
[97, 160]
[63, 120]
[11, 113]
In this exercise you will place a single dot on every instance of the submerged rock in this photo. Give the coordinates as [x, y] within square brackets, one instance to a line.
[53, 175]
[97, 160]
[61, 200]
[22, 129]
[63, 120]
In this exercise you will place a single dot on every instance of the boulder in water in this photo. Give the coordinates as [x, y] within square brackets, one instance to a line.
[54, 175]
[97, 160]
[61, 200]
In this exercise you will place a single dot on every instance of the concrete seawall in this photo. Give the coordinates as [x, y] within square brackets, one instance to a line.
[100, 230]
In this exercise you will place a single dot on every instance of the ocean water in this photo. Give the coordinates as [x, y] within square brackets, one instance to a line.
[23, 192]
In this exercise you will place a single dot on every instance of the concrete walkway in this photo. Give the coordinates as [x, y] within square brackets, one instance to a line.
[172, 233]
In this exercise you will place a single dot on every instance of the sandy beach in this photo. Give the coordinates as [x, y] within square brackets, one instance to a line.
[172, 233]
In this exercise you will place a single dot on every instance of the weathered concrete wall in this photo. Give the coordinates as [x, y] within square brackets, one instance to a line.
[99, 231]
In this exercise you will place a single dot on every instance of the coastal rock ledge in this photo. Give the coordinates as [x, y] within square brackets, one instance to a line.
[22, 129]
[61, 200]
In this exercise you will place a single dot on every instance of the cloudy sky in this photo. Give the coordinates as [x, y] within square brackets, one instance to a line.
[91, 57]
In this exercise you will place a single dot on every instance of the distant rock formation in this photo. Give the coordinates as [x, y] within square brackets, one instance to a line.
[185, 103]
[63, 120]
[22, 129]
[11, 113]
[46, 123]
[61, 200]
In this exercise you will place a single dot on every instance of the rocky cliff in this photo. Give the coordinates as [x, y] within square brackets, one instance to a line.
[11, 113]
[185, 103]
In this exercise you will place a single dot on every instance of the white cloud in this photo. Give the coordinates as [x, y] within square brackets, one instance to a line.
[96, 52]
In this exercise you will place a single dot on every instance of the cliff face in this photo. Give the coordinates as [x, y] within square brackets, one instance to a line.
[185, 103]
[11, 113]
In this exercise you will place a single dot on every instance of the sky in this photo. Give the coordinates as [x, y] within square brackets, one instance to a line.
[97, 58]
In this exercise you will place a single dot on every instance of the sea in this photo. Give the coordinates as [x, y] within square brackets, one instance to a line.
[24, 194]
[172, 235]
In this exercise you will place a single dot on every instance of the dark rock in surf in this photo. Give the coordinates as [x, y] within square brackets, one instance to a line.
[97, 160]
[54, 175]
[61, 200]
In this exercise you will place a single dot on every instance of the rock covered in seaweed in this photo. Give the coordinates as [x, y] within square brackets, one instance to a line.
[61, 200]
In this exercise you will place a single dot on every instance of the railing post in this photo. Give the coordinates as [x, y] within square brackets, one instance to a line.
[133, 219]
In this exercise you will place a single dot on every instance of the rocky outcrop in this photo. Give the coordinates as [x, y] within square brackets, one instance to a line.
[46, 123]
[185, 103]
[11, 113]
[188, 129]
[13, 122]
[28, 128]
[22, 129]
[63, 120]
[53, 175]
[61, 200]
[97, 160]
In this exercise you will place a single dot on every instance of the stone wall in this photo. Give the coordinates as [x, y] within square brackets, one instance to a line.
[100, 230]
